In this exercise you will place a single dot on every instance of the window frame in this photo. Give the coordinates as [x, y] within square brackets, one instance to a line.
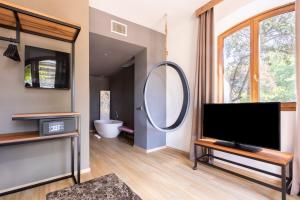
[253, 23]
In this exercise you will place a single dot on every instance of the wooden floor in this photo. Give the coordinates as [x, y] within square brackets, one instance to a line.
[165, 174]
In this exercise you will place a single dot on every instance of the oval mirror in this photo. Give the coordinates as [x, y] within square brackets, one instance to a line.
[158, 95]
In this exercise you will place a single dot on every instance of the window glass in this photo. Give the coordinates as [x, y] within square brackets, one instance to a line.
[236, 57]
[277, 68]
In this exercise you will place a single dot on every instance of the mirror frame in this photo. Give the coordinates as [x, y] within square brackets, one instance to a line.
[186, 98]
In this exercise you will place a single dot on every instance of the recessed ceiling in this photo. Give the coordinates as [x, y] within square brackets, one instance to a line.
[107, 55]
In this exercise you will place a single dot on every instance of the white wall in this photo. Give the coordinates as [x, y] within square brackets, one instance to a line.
[232, 12]
[182, 46]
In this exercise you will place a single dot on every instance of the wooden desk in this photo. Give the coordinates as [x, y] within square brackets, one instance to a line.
[34, 136]
[265, 155]
[27, 137]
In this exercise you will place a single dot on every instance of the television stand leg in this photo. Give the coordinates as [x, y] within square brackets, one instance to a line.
[196, 158]
[210, 153]
[290, 178]
[283, 182]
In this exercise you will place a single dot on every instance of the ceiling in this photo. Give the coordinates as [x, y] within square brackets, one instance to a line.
[149, 13]
[107, 55]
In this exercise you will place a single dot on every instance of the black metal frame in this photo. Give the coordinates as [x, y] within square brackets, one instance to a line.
[18, 28]
[186, 98]
[72, 175]
[286, 182]
[2, 5]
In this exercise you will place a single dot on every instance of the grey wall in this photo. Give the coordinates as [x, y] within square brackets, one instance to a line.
[96, 84]
[145, 136]
[122, 96]
[155, 93]
[17, 98]
[22, 164]
[140, 125]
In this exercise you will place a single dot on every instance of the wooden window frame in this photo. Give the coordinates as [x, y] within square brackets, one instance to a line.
[253, 23]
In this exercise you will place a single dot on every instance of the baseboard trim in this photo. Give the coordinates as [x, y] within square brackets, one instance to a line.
[149, 150]
[156, 149]
[86, 170]
[83, 171]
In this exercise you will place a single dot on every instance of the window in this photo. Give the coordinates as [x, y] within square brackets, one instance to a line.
[257, 59]
[47, 70]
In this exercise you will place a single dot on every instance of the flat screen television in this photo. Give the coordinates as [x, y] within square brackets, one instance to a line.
[46, 68]
[243, 124]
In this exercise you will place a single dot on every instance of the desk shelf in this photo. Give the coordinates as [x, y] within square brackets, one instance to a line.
[27, 137]
[46, 115]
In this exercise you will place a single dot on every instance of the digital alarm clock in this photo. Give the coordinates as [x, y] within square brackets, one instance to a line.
[57, 126]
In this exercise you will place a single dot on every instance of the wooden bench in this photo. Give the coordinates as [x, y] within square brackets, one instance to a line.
[265, 155]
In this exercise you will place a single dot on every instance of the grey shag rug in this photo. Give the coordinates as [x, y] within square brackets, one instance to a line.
[108, 187]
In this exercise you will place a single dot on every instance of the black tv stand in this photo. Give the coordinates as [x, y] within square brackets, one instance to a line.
[239, 146]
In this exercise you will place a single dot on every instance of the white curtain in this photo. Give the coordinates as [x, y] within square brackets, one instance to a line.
[296, 166]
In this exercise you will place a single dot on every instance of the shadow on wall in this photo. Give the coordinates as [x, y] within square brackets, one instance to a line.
[122, 96]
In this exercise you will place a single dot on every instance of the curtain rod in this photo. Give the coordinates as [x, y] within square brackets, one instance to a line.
[207, 6]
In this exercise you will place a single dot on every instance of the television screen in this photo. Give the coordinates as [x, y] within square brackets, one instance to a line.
[256, 124]
[46, 68]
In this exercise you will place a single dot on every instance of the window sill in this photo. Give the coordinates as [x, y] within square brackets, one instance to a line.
[289, 106]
